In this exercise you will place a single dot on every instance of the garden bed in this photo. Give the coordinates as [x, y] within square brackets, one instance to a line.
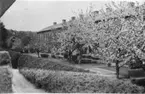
[76, 82]
[5, 81]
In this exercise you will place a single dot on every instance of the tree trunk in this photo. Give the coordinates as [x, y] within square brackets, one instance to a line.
[117, 69]
[1, 42]
[79, 59]
[38, 54]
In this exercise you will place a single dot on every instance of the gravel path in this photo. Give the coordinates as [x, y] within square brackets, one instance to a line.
[21, 85]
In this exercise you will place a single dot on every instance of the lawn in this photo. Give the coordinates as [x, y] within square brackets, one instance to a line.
[27, 61]
[123, 70]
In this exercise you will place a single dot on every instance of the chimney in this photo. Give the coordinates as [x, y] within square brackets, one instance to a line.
[54, 23]
[131, 4]
[143, 12]
[81, 16]
[137, 9]
[108, 10]
[96, 12]
[64, 21]
[73, 18]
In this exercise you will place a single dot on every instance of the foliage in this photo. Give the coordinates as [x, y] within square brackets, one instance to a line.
[26, 40]
[14, 58]
[119, 32]
[5, 81]
[23, 39]
[12, 39]
[4, 34]
[80, 35]
[26, 61]
[124, 33]
[74, 82]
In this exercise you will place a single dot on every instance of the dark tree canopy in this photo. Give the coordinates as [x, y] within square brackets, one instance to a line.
[4, 35]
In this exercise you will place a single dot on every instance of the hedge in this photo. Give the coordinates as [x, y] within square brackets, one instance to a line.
[26, 61]
[14, 58]
[77, 82]
[5, 81]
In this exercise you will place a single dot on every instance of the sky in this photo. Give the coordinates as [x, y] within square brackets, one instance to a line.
[34, 15]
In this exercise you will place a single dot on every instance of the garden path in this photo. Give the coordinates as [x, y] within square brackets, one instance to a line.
[21, 85]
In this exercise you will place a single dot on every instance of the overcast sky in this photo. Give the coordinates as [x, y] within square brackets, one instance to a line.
[34, 15]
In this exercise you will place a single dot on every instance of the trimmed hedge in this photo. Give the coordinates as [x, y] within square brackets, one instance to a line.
[14, 58]
[44, 55]
[75, 82]
[26, 61]
[5, 81]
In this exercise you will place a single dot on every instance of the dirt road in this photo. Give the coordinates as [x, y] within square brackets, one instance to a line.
[21, 85]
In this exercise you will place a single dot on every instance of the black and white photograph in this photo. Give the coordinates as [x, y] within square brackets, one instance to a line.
[72, 46]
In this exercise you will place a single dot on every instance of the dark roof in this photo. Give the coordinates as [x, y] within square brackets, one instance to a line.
[127, 12]
[53, 27]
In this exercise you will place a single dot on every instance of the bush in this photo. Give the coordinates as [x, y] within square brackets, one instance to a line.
[17, 49]
[86, 56]
[74, 58]
[85, 60]
[109, 64]
[5, 81]
[26, 50]
[14, 58]
[44, 55]
[40, 63]
[65, 55]
[75, 82]
[5, 58]
[53, 56]
[32, 50]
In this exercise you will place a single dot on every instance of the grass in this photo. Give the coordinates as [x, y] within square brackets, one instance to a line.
[123, 71]
[5, 81]
[78, 82]
[26, 61]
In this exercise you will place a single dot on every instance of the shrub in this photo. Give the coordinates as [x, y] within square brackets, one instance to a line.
[44, 55]
[5, 81]
[53, 56]
[17, 49]
[32, 50]
[5, 58]
[40, 63]
[14, 58]
[75, 82]
[109, 64]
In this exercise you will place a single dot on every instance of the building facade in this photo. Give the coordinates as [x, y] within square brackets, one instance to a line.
[49, 35]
